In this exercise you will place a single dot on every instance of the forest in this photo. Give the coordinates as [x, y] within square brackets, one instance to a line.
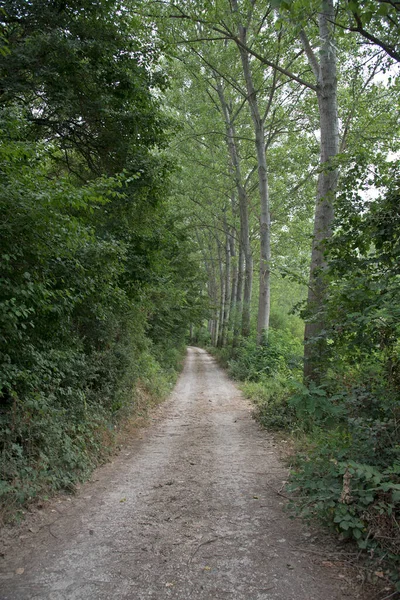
[222, 174]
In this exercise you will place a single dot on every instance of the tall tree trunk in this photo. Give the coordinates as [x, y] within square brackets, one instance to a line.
[213, 322]
[211, 286]
[215, 291]
[248, 284]
[243, 212]
[234, 265]
[265, 218]
[227, 305]
[221, 310]
[234, 280]
[239, 297]
[325, 72]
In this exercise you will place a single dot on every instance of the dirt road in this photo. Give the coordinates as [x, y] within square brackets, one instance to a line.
[190, 511]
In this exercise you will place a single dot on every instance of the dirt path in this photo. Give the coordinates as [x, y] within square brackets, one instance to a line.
[187, 512]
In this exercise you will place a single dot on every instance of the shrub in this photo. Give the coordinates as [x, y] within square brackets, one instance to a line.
[359, 500]
[281, 353]
[270, 397]
[78, 313]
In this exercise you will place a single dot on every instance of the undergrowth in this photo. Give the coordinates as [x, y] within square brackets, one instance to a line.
[346, 469]
[49, 444]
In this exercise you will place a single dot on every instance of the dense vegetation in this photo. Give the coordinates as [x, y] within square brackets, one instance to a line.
[97, 281]
[223, 171]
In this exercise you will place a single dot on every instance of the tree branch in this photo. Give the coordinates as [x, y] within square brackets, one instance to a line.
[312, 59]
[360, 29]
[269, 63]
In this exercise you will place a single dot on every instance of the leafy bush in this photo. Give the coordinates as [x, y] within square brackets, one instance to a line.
[253, 362]
[348, 473]
[202, 338]
[223, 355]
[267, 371]
[270, 397]
[313, 405]
[359, 500]
[77, 314]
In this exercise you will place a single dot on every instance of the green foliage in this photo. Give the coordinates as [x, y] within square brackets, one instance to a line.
[281, 353]
[347, 470]
[202, 338]
[97, 281]
[268, 374]
[86, 78]
[270, 397]
[349, 474]
[358, 499]
[376, 23]
[73, 341]
[364, 262]
[314, 406]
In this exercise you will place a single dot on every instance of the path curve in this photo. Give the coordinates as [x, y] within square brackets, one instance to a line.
[188, 512]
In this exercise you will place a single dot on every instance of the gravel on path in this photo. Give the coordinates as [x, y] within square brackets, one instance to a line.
[190, 509]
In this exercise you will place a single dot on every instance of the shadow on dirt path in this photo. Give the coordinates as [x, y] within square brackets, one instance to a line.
[188, 510]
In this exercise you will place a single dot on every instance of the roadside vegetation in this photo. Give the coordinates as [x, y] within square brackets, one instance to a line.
[345, 427]
[224, 174]
[98, 284]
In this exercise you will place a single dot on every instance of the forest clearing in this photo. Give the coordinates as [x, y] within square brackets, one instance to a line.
[220, 175]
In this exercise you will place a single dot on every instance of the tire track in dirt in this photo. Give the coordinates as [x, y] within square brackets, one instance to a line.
[188, 512]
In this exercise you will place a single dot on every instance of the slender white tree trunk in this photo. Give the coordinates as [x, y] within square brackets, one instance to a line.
[222, 295]
[243, 212]
[227, 305]
[265, 218]
[239, 297]
[325, 72]
[212, 286]
[234, 275]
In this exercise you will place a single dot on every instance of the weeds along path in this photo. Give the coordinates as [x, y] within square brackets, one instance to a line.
[188, 510]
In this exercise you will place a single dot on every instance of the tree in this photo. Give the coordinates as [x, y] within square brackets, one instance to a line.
[376, 22]
[325, 74]
[258, 92]
[103, 283]
[245, 247]
[84, 79]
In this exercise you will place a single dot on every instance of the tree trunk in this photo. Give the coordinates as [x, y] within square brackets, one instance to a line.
[227, 305]
[211, 286]
[238, 298]
[234, 280]
[325, 72]
[221, 311]
[265, 219]
[243, 212]
[248, 286]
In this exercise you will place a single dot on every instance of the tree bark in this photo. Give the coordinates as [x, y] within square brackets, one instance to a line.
[222, 297]
[265, 218]
[227, 299]
[245, 245]
[238, 298]
[234, 276]
[248, 274]
[211, 286]
[325, 72]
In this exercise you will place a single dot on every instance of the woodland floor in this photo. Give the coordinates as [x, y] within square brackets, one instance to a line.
[190, 509]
